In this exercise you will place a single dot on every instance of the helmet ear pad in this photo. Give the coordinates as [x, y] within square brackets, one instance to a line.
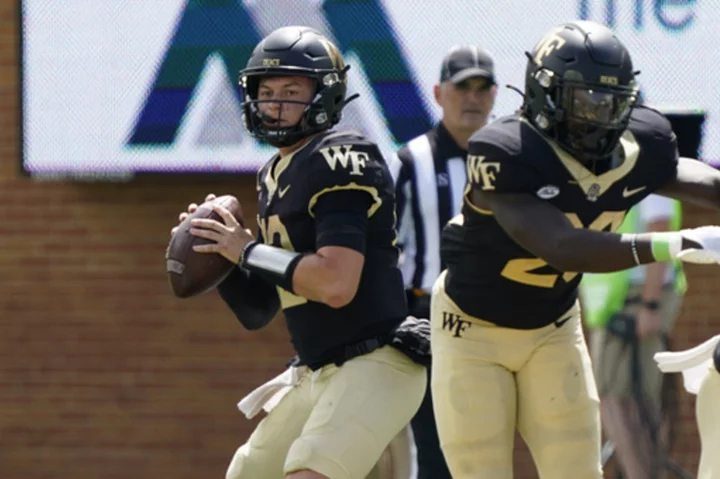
[542, 102]
[331, 101]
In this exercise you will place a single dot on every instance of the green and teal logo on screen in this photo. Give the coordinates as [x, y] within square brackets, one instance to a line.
[225, 28]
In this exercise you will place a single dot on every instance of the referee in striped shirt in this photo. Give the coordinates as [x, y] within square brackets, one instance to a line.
[430, 179]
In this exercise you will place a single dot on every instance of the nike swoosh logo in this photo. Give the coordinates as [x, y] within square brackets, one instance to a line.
[560, 322]
[627, 192]
[282, 191]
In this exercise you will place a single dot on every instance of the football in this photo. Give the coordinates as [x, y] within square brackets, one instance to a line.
[191, 273]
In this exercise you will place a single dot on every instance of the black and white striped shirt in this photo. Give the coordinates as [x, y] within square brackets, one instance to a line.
[430, 178]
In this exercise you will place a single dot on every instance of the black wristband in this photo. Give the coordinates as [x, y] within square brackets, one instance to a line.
[272, 263]
[245, 251]
[651, 305]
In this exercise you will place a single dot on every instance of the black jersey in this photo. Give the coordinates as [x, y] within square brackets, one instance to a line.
[290, 189]
[492, 277]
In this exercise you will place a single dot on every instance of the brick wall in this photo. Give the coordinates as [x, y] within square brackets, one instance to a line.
[103, 374]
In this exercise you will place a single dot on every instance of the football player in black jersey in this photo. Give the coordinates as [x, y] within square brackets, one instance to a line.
[326, 255]
[546, 189]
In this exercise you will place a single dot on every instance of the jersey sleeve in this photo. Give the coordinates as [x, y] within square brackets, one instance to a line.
[669, 157]
[493, 169]
[657, 139]
[356, 167]
[341, 220]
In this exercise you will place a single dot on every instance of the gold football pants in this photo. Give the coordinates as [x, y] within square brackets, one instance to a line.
[489, 380]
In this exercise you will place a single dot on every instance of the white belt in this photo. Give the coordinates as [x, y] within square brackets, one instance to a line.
[693, 363]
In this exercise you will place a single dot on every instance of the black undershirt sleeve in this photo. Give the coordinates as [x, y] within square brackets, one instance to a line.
[341, 219]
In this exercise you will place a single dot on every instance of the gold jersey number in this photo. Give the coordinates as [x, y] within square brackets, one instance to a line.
[276, 234]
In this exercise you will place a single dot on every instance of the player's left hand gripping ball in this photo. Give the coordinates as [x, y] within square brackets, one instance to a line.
[230, 237]
[190, 272]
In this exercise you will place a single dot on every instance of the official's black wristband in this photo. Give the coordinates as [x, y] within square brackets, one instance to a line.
[275, 264]
[651, 305]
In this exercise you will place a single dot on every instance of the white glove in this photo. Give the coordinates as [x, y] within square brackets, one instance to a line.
[709, 238]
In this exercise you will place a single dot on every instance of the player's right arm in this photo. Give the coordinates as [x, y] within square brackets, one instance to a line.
[331, 274]
[344, 194]
[503, 186]
[545, 231]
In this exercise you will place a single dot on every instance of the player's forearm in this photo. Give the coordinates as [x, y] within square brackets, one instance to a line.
[546, 232]
[253, 301]
[587, 251]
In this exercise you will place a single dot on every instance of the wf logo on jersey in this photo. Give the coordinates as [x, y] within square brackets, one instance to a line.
[229, 30]
[453, 323]
[345, 157]
[482, 172]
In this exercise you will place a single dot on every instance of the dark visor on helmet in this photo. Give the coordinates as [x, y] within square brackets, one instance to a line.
[603, 108]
